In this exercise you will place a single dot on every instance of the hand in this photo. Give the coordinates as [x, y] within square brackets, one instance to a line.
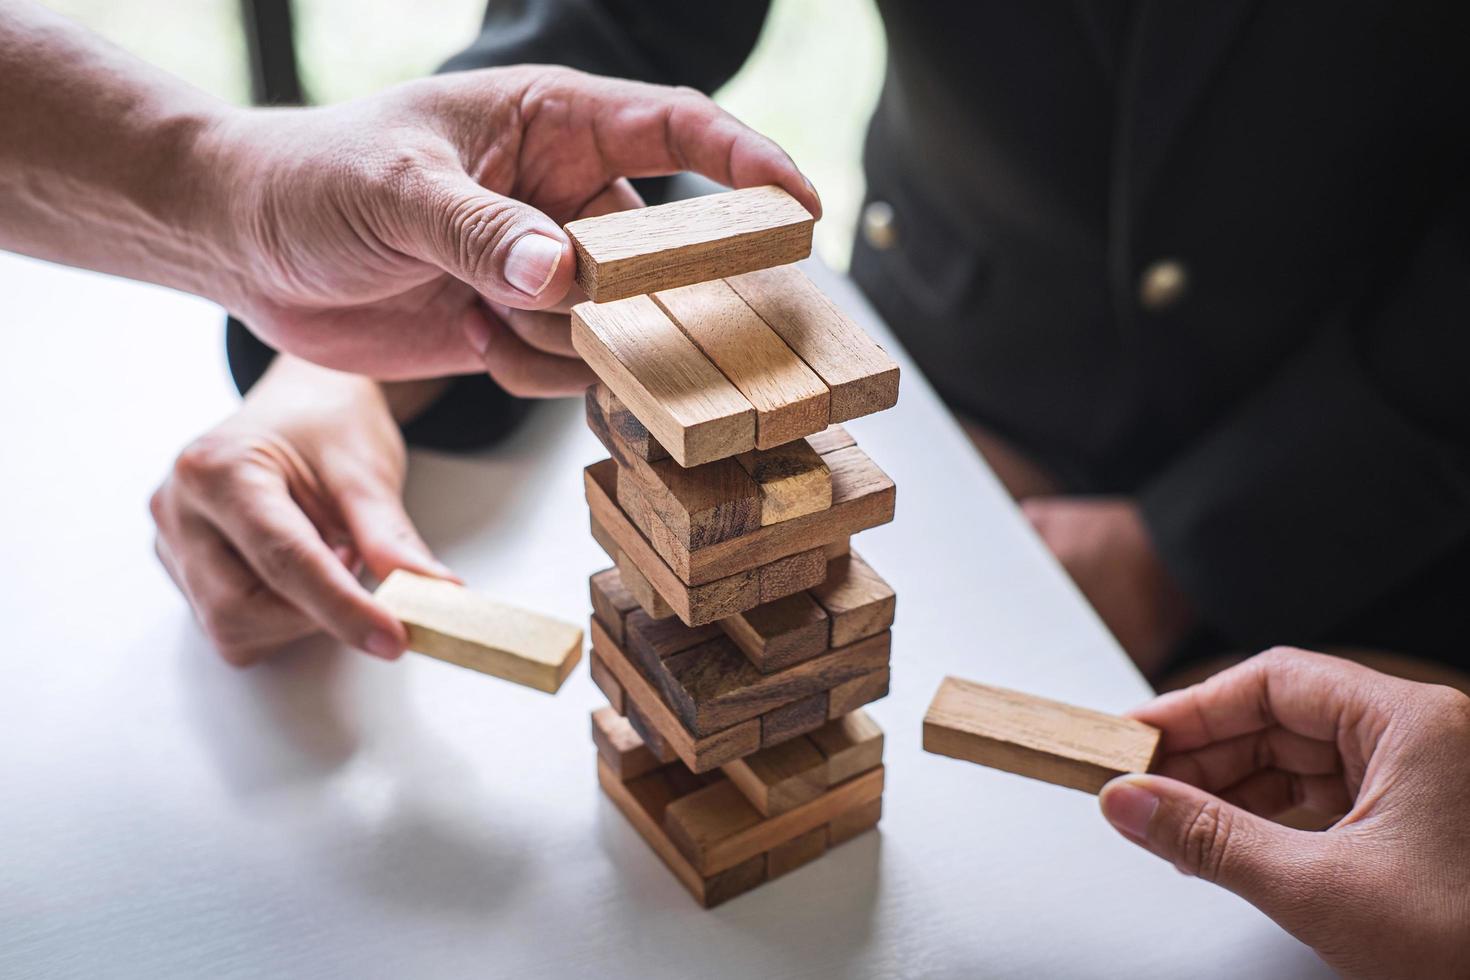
[1103, 544]
[371, 231]
[265, 521]
[1386, 890]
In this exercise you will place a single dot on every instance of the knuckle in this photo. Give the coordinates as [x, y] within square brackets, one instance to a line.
[205, 460]
[281, 556]
[1204, 840]
[480, 226]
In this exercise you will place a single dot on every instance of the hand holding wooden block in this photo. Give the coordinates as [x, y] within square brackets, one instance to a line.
[1035, 737]
[451, 623]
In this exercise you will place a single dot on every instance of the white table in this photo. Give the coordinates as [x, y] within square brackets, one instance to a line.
[330, 815]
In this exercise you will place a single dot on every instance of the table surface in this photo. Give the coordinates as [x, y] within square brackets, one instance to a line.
[331, 815]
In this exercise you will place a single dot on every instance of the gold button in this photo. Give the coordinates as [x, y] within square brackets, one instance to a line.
[878, 228]
[1162, 284]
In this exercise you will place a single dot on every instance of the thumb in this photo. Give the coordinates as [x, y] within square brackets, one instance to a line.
[1207, 838]
[510, 252]
[384, 535]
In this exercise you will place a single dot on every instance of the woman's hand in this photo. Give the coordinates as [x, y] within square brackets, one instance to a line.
[266, 520]
[372, 231]
[1385, 891]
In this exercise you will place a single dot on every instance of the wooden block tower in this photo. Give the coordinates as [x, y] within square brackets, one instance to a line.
[737, 636]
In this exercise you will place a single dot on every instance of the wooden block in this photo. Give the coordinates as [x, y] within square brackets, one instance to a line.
[713, 686]
[863, 817]
[638, 802]
[831, 439]
[683, 242]
[851, 695]
[787, 576]
[850, 745]
[837, 549]
[451, 623]
[1035, 737]
[861, 377]
[606, 682]
[605, 413]
[781, 777]
[699, 754]
[791, 480]
[611, 601]
[673, 389]
[645, 596]
[790, 400]
[699, 505]
[796, 718]
[856, 598]
[620, 746]
[657, 746]
[716, 827]
[775, 635]
[792, 854]
[862, 497]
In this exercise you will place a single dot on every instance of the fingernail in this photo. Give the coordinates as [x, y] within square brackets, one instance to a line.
[1129, 807]
[532, 262]
[382, 644]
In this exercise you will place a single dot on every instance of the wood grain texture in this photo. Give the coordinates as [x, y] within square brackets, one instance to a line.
[645, 596]
[851, 695]
[791, 480]
[449, 622]
[689, 241]
[611, 601]
[849, 746]
[781, 777]
[796, 718]
[606, 413]
[1035, 737]
[831, 439]
[861, 377]
[862, 497]
[606, 682]
[699, 754]
[861, 818]
[789, 575]
[620, 746]
[656, 744]
[713, 826]
[856, 599]
[698, 505]
[775, 635]
[653, 368]
[786, 857]
[790, 401]
[642, 803]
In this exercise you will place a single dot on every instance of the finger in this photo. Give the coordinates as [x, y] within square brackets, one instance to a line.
[382, 531]
[651, 130]
[1272, 792]
[518, 367]
[1308, 693]
[286, 551]
[1222, 764]
[619, 195]
[1209, 838]
[548, 332]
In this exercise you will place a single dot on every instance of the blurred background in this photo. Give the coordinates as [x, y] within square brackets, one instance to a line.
[810, 83]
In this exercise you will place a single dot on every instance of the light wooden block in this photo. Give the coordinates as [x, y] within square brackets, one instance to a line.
[716, 827]
[699, 754]
[851, 695]
[693, 411]
[792, 481]
[449, 622]
[620, 746]
[831, 439]
[861, 818]
[776, 635]
[790, 401]
[850, 745]
[642, 802]
[861, 377]
[790, 855]
[856, 599]
[781, 777]
[690, 241]
[1035, 737]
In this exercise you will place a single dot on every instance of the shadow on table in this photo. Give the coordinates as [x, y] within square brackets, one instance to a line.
[324, 745]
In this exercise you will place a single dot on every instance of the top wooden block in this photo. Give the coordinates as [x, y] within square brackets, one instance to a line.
[685, 242]
[451, 623]
[1036, 737]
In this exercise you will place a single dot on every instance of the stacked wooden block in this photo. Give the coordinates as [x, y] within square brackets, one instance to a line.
[737, 635]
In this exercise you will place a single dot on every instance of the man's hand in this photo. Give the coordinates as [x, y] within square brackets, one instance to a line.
[1386, 890]
[1103, 544]
[266, 520]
